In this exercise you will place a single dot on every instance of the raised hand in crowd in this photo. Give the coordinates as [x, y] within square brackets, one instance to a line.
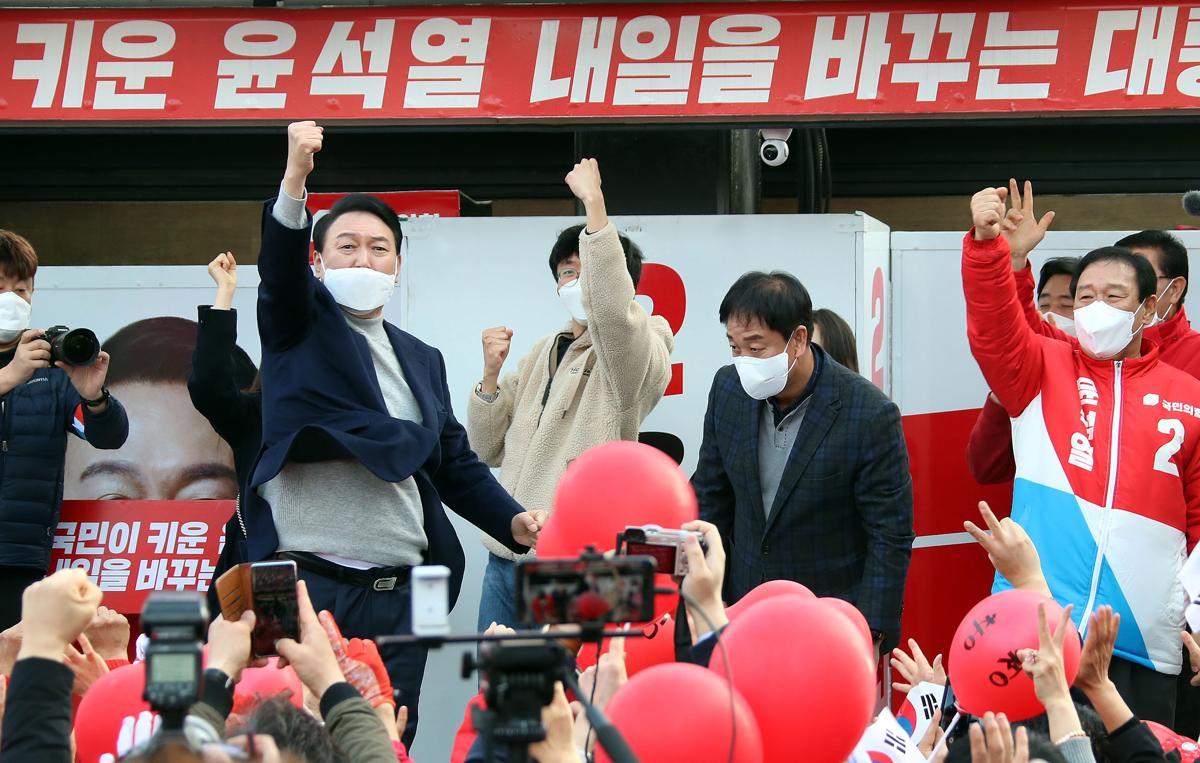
[1010, 550]
[312, 656]
[223, 271]
[55, 611]
[304, 141]
[1046, 667]
[1023, 230]
[88, 666]
[705, 578]
[599, 683]
[496, 344]
[988, 212]
[1094, 662]
[584, 182]
[10, 645]
[1189, 641]
[229, 644]
[993, 741]
[933, 736]
[916, 668]
[559, 719]
[109, 635]
[361, 664]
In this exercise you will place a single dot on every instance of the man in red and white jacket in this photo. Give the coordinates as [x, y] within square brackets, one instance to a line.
[1107, 445]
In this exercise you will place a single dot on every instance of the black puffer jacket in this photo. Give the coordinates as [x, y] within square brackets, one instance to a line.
[35, 418]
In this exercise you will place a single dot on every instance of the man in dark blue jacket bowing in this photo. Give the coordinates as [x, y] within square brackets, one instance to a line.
[360, 445]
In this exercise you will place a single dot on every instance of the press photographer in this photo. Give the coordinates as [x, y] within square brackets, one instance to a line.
[47, 389]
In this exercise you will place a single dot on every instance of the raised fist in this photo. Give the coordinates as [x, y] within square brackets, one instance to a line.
[56, 610]
[304, 140]
[584, 180]
[223, 271]
[988, 212]
[496, 344]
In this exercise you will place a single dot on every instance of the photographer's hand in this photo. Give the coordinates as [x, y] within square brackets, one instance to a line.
[312, 656]
[89, 380]
[55, 611]
[559, 720]
[706, 576]
[33, 353]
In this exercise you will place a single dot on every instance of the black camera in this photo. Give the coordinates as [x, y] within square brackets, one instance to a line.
[175, 624]
[75, 347]
[518, 681]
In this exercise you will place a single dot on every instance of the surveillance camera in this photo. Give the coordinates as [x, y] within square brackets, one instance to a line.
[773, 152]
[774, 148]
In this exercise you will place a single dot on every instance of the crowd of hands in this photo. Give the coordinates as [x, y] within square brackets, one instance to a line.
[63, 621]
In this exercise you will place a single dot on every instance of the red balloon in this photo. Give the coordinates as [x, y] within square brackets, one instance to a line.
[113, 700]
[680, 713]
[610, 487]
[655, 648]
[765, 591]
[856, 617]
[264, 683]
[984, 669]
[803, 674]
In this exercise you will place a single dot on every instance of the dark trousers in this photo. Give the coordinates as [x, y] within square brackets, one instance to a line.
[13, 582]
[1187, 702]
[1149, 694]
[362, 612]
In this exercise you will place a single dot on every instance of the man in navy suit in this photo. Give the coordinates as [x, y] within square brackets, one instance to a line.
[360, 445]
[803, 467]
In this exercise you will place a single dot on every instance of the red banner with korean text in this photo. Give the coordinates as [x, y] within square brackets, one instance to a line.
[131, 548]
[699, 61]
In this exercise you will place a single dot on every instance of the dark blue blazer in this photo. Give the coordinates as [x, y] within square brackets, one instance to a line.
[842, 523]
[322, 401]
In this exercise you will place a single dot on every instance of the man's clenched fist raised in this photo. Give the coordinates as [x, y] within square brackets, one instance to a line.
[987, 212]
[496, 344]
[304, 140]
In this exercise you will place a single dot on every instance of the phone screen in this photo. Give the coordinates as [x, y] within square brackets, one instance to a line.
[565, 591]
[275, 610]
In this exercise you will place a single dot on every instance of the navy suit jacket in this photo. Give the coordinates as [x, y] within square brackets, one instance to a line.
[322, 401]
[842, 523]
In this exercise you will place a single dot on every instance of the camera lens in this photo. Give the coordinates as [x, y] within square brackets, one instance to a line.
[79, 347]
[770, 152]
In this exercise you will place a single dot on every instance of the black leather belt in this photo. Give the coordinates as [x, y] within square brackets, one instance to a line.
[376, 578]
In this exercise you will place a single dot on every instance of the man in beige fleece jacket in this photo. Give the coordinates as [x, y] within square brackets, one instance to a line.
[593, 382]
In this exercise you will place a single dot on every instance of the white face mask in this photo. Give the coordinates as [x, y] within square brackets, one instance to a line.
[14, 316]
[1157, 319]
[764, 377]
[1104, 330]
[360, 290]
[1066, 325]
[571, 295]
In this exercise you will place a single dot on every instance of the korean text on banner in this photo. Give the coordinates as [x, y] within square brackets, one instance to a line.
[526, 63]
[131, 548]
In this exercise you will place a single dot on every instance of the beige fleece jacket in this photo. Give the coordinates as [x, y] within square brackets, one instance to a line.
[608, 382]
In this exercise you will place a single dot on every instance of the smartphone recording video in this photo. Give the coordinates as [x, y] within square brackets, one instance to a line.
[585, 591]
[268, 588]
[276, 612]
